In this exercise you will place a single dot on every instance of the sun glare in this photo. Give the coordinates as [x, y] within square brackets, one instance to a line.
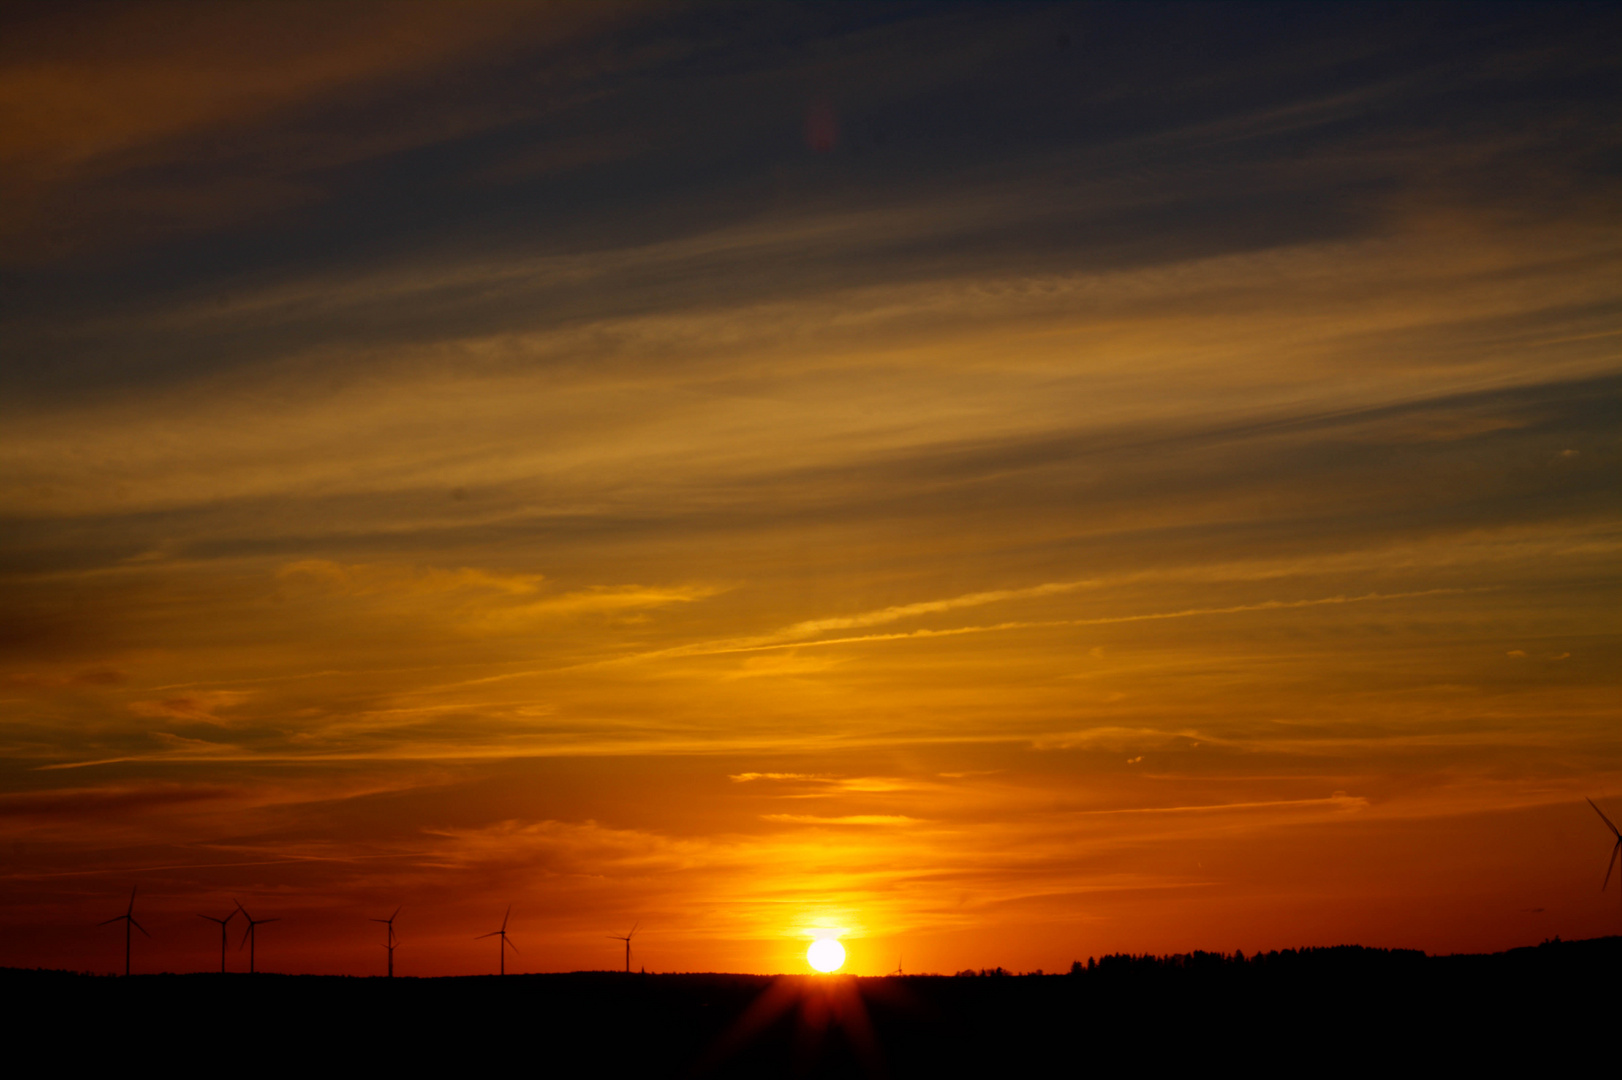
[825, 954]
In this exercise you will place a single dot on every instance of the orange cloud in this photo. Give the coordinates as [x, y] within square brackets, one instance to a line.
[201, 706]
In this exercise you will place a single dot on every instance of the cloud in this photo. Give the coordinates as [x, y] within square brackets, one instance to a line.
[88, 677]
[474, 601]
[453, 360]
[155, 95]
[403, 581]
[767, 642]
[833, 785]
[1340, 802]
[361, 579]
[201, 706]
[847, 819]
[586, 847]
[608, 599]
[813, 627]
[99, 802]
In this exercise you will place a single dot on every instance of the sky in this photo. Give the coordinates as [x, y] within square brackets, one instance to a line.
[995, 484]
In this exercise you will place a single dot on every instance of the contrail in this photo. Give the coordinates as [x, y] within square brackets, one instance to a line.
[1266, 605]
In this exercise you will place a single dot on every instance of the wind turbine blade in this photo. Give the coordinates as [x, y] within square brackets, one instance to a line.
[507, 916]
[276, 919]
[396, 912]
[1616, 850]
[492, 933]
[242, 909]
[377, 920]
[115, 918]
[508, 941]
[139, 927]
[1602, 817]
[131, 910]
[246, 934]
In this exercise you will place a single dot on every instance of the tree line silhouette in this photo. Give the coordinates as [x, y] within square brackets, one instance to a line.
[1335, 1010]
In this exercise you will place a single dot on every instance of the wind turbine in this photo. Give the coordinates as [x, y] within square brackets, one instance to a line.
[897, 970]
[1616, 849]
[128, 919]
[502, 934]
[222, 923]
[627, 939]
[392, 940]
[249, 938]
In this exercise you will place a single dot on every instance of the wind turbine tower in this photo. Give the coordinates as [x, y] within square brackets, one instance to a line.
[249, 938]
[627, 939]
[222, 923]
[128, 919]
[392, 940]
[1616, 849]
[505, 942]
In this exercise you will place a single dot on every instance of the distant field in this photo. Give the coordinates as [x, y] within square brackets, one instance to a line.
[1313, 1011]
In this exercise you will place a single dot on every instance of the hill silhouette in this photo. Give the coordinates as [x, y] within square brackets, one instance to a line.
[1333, 1010]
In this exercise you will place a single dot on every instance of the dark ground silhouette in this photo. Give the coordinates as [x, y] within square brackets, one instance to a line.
[1334, 1010]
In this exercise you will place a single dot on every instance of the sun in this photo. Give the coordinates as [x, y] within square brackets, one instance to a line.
[825, 954]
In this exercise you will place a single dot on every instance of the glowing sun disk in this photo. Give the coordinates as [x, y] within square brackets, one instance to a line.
[825, 954]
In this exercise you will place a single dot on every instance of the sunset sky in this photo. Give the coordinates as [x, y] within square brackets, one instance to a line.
[999, 484]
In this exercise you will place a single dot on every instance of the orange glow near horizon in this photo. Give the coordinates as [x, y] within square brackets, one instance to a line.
[1122, 497]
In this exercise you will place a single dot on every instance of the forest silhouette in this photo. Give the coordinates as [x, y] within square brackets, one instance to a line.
[1320, 1009]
